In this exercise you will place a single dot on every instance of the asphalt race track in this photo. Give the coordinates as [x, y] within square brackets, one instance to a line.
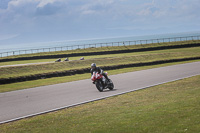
[29, 102]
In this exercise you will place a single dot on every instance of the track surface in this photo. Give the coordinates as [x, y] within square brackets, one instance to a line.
[24, 103]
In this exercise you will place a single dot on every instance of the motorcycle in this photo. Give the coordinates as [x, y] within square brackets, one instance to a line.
[101, 83]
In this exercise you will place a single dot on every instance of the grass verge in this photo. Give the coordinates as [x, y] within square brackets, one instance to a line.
[171, 107]
[7, 72]
[100, 50]
[175, 50]
[56, 80]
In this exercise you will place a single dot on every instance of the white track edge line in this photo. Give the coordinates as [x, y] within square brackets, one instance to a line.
[56, 109]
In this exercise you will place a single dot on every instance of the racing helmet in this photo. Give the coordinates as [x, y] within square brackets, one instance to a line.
[93, 65]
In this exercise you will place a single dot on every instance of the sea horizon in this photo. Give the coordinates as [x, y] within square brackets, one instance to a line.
[38, 45]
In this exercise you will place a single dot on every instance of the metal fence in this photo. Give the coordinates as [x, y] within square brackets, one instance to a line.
[96, 45]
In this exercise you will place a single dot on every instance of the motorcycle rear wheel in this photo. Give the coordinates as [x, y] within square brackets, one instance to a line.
[99, 86]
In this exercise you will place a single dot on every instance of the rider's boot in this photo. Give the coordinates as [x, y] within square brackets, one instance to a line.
[108, 80]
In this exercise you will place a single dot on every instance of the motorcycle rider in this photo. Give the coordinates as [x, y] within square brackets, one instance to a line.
[94, 68]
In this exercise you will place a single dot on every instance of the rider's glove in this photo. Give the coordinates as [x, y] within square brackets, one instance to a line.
[101, 72]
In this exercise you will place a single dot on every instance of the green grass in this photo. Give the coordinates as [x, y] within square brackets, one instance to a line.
[104, 60]
[170, 51]
[169, 108]
[101, 60]
[56, 80]
[102, 49]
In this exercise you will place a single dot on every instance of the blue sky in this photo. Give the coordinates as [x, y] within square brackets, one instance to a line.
[27, 21]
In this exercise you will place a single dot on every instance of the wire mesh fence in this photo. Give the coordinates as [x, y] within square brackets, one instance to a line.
[97, 45]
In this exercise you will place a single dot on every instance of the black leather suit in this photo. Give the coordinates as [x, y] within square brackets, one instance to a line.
[99, 70]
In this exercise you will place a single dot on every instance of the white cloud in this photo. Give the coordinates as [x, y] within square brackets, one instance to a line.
[23, 16]
[43, 3]
[40, 3]
[116, 9]
[5, 37]
[97, 6]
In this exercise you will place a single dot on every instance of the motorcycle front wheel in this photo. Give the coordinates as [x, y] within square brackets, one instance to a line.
[111, 85]
[99, 86]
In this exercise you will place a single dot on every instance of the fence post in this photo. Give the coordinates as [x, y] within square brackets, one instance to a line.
[124, 43]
